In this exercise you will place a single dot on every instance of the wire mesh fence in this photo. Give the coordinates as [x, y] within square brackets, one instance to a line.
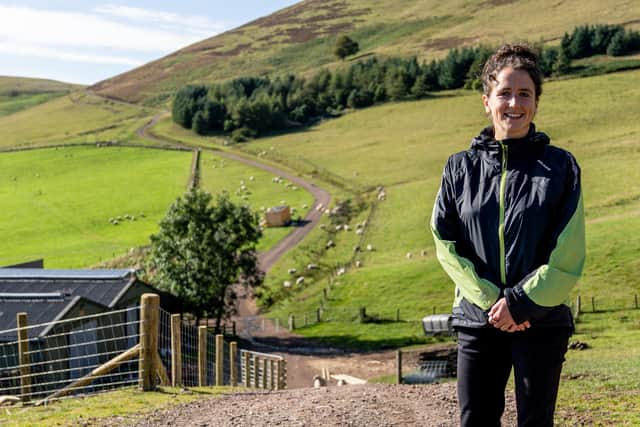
[54, 359]
[142, 345]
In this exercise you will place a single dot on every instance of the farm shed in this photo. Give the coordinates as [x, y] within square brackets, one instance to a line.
[278, 216]
[62, 348]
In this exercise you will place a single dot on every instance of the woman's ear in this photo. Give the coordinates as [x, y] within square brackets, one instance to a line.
[485, 102]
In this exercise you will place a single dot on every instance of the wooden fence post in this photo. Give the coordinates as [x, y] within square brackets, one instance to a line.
[219, 360]
[265, 362]
[233, 372]
[247, 369]
[278, 374]
[272, 364]
[25, 358]
[202, 356]
[292, 322]
[176, 351]
[635, 297]
[149, 320]
[399, 367]
[256, 369]
[593, 304]
[578, 305]
[233, 328]
[317, 315]
[363, 314]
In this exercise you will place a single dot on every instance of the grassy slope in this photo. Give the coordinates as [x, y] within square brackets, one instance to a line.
[76, 117]
[218, 174]
[18, 93]
[404, 146]
[300, 38]
[56, 203]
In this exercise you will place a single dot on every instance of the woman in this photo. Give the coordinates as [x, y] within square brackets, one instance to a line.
[508, 224]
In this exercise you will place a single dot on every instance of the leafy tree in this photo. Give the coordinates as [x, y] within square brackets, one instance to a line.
[548, 58]
[201, 250]
[199, 123]
[345, 46]
[562, 65]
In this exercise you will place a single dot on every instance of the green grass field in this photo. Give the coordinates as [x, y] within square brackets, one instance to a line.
[260, 193]
[56, 203]
[404, 146]
[75, 117]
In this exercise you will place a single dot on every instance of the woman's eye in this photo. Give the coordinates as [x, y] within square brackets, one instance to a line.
[525, 94]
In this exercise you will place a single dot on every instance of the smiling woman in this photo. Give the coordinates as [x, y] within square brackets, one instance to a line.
[508, 225]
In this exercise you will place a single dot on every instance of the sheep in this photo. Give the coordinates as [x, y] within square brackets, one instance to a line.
[286, 284]
[292, 271]
[312, 267]
[251, 178]
[423, 252]
[369, 247]
[300, 280]
[338, 227]
[330, 244]
[360, 232]
[409, 255]
[319, 207]
[346, 227]
[358, 264]
[356, 248]
[304, 206]
[341, 271]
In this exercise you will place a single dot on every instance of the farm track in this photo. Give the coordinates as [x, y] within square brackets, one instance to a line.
[260, 333]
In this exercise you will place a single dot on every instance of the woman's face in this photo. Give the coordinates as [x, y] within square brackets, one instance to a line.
[511, 103]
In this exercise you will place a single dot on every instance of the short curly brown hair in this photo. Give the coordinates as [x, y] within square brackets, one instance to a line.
[516, 56]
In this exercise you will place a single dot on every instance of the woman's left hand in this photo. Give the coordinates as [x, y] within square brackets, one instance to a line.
[500, 317]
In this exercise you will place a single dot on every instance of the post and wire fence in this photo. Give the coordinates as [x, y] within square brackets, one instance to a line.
[142, 346]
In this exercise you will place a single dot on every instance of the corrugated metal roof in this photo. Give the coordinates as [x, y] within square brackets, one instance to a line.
[37, 273]
[39, 311]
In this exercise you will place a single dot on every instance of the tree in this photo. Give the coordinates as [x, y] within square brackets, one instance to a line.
[345, 46]
[202, 249]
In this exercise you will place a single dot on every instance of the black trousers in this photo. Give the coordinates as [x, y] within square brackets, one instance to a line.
[485, 359]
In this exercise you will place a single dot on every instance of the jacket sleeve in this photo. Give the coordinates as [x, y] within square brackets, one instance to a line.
[446, 231]
[549, 285]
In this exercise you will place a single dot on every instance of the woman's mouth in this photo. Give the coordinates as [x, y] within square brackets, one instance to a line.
[513, 115]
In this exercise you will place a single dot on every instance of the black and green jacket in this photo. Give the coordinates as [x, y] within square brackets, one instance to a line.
[509, 221]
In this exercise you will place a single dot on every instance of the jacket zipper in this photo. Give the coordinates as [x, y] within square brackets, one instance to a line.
[503, 184]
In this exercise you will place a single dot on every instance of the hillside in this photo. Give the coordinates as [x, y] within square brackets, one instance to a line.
[20, 93]
[300, 38]
[24, 85]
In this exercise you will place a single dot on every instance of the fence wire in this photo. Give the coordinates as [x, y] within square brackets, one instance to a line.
[58, 355]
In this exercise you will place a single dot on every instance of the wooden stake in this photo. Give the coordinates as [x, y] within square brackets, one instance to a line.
[219, 360]
[24, 357]
[176, 351]
[233, 349]
[149, 320]
[202, 356]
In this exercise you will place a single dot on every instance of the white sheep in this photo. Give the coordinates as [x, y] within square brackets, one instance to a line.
[292, 271]
[312, 267]
[286, 284]
[409, 255]
[358, 264]
[330, 244]
[423, 252]
[300, 280]
[369, 247]
[360, 232]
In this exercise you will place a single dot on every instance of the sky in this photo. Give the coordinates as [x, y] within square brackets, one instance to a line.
[86, 41]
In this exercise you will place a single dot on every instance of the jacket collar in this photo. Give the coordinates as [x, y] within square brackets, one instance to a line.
[533, 142]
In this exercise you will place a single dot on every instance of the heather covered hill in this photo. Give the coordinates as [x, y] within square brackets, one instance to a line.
[300, 38]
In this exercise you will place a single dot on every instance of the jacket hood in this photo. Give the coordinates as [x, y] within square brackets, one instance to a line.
[486, 140]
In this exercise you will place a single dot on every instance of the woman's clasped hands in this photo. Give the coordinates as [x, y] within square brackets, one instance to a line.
[500, 318]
